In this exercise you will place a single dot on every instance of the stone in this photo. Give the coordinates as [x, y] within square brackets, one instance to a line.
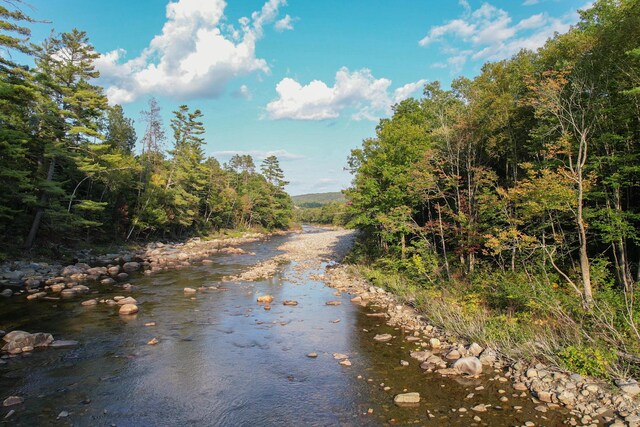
[345, 362]
[470, 366]
[90, 302]
[12, 400]
[37, 295]
[131, 266]
[128, 309]
[153, 341]
[404, 363]
[63, 414]
[532, 373]
[407, 398]
[15, 335]
[383, 337]
[108, 281]
[150, 324]
[475, 349]
[340, 356]
[421, 356]
[127, 300]
[488, 356]
[289, 302]
[629, 387]
[544, 396]
[541, 408]
[435, 343]
[6, 293]
[189, 291]
[520, 386]
[453, 355]
[479, 408]
[312, 355]
[333, 302]
[265, 299]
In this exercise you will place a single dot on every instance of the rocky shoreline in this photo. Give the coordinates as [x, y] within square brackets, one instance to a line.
[54, 280]
[590, 402]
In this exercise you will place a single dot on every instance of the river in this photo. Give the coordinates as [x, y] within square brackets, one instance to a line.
[223, 360]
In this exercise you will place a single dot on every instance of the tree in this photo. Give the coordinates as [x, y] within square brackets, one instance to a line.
[70, 115]
[121, 134]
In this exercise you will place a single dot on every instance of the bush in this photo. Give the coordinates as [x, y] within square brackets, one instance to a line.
[592, 361]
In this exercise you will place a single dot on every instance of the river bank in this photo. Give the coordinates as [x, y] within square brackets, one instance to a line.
[589, 400]
[41, 279]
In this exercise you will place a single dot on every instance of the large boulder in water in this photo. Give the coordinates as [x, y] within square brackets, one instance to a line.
[468, 366]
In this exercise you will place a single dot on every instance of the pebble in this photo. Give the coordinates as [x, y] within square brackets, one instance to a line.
[345, 362]
[153, 341]
[312, 355]
[383, 337]
[333, 302]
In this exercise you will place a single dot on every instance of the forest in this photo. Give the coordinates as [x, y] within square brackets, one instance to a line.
[507, 207]
[70, 171]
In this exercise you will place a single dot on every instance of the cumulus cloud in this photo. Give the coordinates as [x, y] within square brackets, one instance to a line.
[490, 33]
[195, 55]
[358, 90]
[259, 154]
[285, 23]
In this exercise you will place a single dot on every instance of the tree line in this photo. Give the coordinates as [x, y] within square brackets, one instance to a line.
[527, 175]
[68, 169]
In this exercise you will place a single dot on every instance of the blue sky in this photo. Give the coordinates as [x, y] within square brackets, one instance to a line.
[304, 80]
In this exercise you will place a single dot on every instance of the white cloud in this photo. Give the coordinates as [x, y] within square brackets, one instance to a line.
[259, 154]
[285, 23]
[195, 55]
[489, 33]
[357, 90]
[530, 2]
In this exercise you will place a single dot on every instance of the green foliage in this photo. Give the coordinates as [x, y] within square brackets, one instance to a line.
[517, 192]
[595, 362]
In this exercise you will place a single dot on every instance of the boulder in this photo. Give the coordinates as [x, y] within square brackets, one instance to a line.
[128, 309]
[468, 366]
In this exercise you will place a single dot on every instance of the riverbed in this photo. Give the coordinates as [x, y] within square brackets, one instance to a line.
[222, 359]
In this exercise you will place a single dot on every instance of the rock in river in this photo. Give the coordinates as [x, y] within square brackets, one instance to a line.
[128, 309]
[468, 366]
[290, 302]
[127, 300]
[383, 337]
[266, 299]
[12, 400]
[407, 398]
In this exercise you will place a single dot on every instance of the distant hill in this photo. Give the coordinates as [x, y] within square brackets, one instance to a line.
[316, 200]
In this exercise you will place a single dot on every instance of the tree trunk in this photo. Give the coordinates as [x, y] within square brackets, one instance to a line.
[584, 258]
[44, 198]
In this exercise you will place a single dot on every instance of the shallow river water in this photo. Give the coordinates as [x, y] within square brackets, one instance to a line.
[222, 360]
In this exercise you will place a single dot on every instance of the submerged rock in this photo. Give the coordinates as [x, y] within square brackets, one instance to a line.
[407, 398]
[12, 400]
[383, 337]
